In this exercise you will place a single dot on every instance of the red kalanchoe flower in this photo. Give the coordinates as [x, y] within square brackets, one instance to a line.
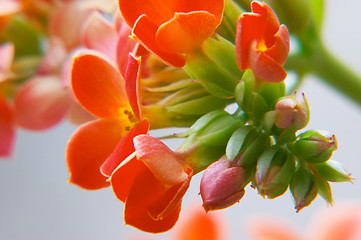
[151, 182]
[172, 28]
[262, 44]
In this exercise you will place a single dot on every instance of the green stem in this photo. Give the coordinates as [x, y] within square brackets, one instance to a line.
[316, 59]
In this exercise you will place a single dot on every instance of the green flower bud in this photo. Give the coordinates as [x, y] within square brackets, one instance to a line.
[303, 188]
[324, 189]
[332, 171]
[275, 168]
[315, 146]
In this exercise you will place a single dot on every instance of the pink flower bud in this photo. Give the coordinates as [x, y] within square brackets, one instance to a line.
[222, 185]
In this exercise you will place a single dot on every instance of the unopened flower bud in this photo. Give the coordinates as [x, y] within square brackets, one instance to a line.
[315, 146]
[303, 188]
[222, 184]
[275, 168]
[291, 112]
[332, 171]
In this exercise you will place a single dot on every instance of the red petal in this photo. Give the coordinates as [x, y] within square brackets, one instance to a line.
[88, 148]
[7, 127]
[166, 204]
[193, 28]
[132, 81]
[123, 177]
[124, 148]
[279, 51]
[41, 103]
[146, 190]
[98, 86]
[145, 31]
[266, 68]
[160, 160]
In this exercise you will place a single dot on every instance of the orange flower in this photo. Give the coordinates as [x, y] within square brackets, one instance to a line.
[262, 44]
[172, 28]
[100, 89]
[151, 182]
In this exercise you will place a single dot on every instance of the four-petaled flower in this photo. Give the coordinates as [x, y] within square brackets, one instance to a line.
[262, 44]
[172, 28]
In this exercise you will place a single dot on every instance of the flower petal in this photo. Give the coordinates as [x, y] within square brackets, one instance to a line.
[145, 31]
[41, 103]
[171, 199]
[160, 160]
[132, 82]
[100, 35]
[124, 148]
[88, 148]
[193, 28]
[145, 190]
[98, 86]
[7, 127]
[264, 67]
[279, 51]
[7, 51]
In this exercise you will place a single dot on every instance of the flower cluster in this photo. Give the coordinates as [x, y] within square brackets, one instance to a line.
[124, 71]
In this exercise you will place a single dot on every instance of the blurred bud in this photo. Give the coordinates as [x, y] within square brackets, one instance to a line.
[303, 188]
[222, 185]
[291, 112]
[332, 171]
[275, 168]
[315, 146]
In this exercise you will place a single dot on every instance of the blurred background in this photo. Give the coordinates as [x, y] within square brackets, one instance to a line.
[37, 203]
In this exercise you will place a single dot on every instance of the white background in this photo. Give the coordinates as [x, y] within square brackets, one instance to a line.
[37, 203]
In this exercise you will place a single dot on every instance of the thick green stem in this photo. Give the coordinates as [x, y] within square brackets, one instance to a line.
[316, 59]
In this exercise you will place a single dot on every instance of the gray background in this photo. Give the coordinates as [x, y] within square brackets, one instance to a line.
[37, 203]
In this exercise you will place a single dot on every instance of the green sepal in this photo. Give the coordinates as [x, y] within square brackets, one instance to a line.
[332, 171]
[204, 122]
[198, 106]
[239, 140]
[216, 89]
[272, 92]
[172, 86]
[255, 149]
[219, 131]
[259, 105]
[324, 189]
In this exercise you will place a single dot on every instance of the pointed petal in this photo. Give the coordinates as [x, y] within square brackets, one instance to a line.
[98, 86]
[7, 127]
[132, 81]
[124, 148]
[145, 190]
[166, 204]
[193, 28]
[160, 160]
[145, 31]
[88, 148]
[41, 103]
[100, 35]
[266, 68]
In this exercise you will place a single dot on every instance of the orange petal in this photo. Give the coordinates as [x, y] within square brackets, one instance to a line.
[124, 148]
[88, 148]
[100, 35]
[193, 28]
[41, 103]
[132, 81]
[123, 177]
[166, 204]
[266, 68]
[146, 190]
[145, 31]
[279, 51]
[7, 127]
[160, 160]
[98, 86]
